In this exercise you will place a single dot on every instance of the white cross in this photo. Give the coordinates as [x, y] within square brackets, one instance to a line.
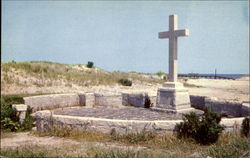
[172, 34]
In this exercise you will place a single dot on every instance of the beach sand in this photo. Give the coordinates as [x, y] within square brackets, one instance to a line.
[225, 90]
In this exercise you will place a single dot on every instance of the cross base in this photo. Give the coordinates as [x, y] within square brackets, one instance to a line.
[173, 96]
[181, 111]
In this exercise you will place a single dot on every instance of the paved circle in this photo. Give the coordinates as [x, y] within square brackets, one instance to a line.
[126, 113]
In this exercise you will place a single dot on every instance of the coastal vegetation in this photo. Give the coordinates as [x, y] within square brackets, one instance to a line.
[42, 74]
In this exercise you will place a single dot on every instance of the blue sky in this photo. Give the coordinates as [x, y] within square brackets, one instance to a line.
[123, 35]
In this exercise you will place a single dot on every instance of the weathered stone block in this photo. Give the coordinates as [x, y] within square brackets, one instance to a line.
[20, 107]
[21, 111]
[87, 99]
[197, 101]
[44, 120]
[232, 109]
[125, 99]
[52, 101]
[245, 109]
[112, 100]
[173, 96]
[134, 99]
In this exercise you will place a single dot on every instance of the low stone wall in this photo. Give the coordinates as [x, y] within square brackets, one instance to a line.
[111, 100]
[197, 102]
[232, 124]
[134, 99]
[45, 120]
[52, 101]
[229, 108]
[232, 109]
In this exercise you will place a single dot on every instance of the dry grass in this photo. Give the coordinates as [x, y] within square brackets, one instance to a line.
[47, 73]
[90, 152]
[231, 145]
[74, 134]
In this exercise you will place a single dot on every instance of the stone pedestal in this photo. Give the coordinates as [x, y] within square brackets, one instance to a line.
[21, 111]
[173, 97]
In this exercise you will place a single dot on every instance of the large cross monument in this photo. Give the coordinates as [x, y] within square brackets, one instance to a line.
[172, 96]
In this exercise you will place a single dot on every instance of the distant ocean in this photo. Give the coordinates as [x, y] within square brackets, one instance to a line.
[234, 76]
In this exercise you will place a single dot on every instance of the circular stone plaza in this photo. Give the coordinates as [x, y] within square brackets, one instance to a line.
[123, 112]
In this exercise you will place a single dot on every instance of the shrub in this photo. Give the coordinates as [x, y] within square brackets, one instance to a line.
[9, 125]
[147, 103]
[90, 64]
[9, 118]
[28, 121]
[204, 130]
[160, 73]
[245, 127]
[125, 82]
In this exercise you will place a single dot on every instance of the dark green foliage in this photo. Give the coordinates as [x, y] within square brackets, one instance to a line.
[204, 129]
[28, 121]
[147, 103]
[9, 118]
[90, 64]
[9, 125]
[125, 82]
[245, 127]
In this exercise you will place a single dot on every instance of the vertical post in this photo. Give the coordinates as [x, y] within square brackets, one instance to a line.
[172, 49]
[215, 74]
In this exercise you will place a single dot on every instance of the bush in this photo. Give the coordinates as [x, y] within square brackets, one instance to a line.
[245, 127]
[9, 118]
[204, 130]
[125, 82]
[90, 64]
[6, 108]
[147, 103]
[9, 125]
[28, 121]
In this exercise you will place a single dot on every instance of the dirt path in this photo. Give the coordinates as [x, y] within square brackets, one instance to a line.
[21, 139]
[26, 138]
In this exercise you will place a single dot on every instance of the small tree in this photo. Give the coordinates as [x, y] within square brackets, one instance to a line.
[245, 127]
[204, 130]
[90, 64]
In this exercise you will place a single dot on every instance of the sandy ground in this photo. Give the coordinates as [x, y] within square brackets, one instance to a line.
[27, 139]
[229, 90]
